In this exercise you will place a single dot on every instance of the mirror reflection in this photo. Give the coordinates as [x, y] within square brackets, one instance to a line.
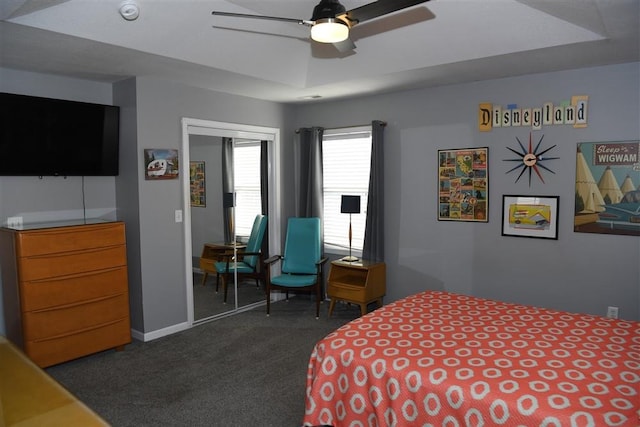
[225, 221]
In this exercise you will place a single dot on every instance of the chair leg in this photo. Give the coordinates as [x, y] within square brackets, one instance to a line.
[225, 283]
[217, 281]
[268, 291]
[204, 278]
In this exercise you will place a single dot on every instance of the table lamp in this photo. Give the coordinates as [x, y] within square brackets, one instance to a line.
[350, 205]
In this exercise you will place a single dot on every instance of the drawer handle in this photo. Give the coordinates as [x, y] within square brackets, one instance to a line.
[86, 229]
[75, 304]
[82, 251]
[76, 275]
[79, 331]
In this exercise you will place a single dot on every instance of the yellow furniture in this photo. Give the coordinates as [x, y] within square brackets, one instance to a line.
[31, 398]
[361, 282]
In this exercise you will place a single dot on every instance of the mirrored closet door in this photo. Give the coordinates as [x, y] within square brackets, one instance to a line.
[222, 210]
[211, 235]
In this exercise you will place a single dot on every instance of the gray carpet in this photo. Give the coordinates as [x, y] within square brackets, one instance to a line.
[243, 370]
[207, 302]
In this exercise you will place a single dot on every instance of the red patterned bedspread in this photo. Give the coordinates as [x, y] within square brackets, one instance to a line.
[442, 359]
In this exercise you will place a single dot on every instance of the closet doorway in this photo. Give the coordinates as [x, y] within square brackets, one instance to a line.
[202, 139]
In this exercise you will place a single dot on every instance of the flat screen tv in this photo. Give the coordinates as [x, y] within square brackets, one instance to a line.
[54, 137]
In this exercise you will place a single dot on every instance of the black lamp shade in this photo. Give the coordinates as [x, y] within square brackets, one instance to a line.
[228, 200]
[350, 204]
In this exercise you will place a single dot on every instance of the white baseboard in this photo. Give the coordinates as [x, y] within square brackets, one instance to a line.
[150, 336]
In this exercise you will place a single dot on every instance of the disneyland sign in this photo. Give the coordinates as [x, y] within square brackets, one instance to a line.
[572, 113]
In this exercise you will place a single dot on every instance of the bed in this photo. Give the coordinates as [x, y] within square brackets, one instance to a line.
[444, 359]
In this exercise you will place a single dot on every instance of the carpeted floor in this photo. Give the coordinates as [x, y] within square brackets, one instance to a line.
[243, 370]
[207, 302]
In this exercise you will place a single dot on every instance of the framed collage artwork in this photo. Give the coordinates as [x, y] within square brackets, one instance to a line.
[463, 184]
[197, 184]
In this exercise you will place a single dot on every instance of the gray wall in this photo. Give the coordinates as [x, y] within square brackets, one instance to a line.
[55, 198]
[160, 107]
[151, 113]
[578, 272]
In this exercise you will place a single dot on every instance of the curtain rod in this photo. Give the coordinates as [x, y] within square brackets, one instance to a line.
[347, 127]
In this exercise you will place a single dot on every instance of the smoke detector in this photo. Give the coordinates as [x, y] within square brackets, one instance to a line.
[129, 10]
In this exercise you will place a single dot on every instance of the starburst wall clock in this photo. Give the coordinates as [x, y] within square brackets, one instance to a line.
[530, 159]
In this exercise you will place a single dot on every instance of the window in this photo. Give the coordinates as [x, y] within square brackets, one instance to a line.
[346, 161]
[246, 167]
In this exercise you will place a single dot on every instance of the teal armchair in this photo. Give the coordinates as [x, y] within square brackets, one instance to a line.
[301, 263]
[249, 263]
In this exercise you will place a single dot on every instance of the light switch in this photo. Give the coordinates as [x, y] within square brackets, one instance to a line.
[178, 215]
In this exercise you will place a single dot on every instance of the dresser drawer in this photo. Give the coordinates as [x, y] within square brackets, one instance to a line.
[60, 349]
[64, 239]
[51, 292]
[68, 319]
[68, 263]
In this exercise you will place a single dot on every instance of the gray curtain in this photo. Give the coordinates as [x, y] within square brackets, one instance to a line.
[373, 249]
[227, 187]
[264, 191]
[308, 172]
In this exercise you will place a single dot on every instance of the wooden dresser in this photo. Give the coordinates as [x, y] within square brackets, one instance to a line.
[65, 289]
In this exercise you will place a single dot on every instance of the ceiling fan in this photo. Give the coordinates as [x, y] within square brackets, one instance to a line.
[330, 21]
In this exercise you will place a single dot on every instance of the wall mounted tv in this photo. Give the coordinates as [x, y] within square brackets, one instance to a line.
[54, 137]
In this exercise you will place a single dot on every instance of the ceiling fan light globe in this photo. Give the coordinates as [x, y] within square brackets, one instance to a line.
[329, 30]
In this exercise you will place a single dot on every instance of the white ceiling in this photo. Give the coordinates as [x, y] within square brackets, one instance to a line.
[438, 42]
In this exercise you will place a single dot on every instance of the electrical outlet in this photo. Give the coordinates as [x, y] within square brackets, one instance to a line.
[612, 312]
[178, 215]
[14, 221]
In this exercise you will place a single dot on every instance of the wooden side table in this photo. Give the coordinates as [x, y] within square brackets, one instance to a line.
[214, 252]
[361, 282]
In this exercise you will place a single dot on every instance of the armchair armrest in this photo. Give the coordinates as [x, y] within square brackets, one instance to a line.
[272, 259]
[240, 253]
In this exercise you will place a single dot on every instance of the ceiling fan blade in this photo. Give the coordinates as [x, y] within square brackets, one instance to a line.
[272, 18]
[376, 9]
[345, 45]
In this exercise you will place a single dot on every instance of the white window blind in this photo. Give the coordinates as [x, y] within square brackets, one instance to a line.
[246, 167]
[346, 158]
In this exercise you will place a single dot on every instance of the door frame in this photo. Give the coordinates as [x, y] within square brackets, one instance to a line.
[232, 130]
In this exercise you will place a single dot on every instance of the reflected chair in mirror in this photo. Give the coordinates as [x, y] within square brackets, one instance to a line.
[301, 263]
[250, 259]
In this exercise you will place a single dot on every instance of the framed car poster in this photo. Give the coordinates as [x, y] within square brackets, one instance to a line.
[530, 216]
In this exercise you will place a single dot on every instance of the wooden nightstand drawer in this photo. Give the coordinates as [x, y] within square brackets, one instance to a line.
[51, 292]
[65, 239]
[343, 291]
